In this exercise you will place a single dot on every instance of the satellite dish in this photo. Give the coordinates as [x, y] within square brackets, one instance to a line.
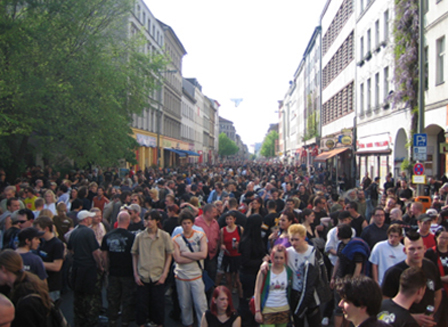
[236, 101]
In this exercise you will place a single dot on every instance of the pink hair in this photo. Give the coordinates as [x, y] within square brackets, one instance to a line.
[279, 248]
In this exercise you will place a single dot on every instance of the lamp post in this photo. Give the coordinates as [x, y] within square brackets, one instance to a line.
[421, 78]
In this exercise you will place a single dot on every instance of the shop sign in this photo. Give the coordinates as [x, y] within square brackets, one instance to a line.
[443, 147]
[346, 140]
[329, 143]
[147, 141]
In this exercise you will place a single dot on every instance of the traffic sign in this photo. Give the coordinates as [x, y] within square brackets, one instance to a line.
[419, 179]
[419, 153]
[419, 169]
[420, 140]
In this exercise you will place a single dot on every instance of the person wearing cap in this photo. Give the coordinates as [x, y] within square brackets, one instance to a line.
[29, 240]
[137, 223]
[424, 225]
[86, 271]
[51, 251]
[435, 223]
[415, 250]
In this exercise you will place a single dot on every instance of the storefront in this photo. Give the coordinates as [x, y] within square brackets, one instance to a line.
[337, 157]
[373, 154]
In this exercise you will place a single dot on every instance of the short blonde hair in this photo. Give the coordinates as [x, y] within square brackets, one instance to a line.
[297, 229]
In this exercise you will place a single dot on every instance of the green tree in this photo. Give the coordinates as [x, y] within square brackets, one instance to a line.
[268, 146]
[70, 80]
[227, 147]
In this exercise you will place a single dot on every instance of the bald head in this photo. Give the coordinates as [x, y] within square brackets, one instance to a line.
[6, 311]
[123, 220]
[396, 214]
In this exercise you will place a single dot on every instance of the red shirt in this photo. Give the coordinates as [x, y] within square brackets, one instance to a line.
[100, 203]
[212, 233]
[429, 240]
[228, 241]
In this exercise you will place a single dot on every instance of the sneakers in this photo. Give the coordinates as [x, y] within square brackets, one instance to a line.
[325, 321]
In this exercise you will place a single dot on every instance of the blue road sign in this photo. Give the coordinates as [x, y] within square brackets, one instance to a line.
[420, 140]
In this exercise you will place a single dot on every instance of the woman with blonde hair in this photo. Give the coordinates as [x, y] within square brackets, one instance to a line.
[47, 213]
[50, 201]
[28, 293]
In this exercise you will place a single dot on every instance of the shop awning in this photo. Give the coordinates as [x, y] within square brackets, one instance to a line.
[374, 144]
[181, 154]
[329, 154]
[190, 153]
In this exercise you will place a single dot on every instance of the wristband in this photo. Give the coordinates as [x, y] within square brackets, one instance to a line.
[257, 311]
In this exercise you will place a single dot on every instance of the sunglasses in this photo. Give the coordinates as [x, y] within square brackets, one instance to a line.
[22, 221]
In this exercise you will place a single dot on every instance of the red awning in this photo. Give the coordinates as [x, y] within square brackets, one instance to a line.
[329, 154]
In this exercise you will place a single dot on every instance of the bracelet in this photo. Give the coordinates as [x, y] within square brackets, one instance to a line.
[257, 311]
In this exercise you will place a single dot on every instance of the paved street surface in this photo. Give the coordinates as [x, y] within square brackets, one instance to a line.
[67, 309]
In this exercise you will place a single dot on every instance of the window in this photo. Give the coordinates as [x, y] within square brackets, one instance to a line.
[425, 6]
[425, 53]
[377, 33]
[144, 18]
[386, 25]
[377, 90]
[149, 25]
[369, 94]
[361, 44]
[138, 12]
[440, 46]
[386, 83]
[361, 5]
[369, 40]
[361, 99]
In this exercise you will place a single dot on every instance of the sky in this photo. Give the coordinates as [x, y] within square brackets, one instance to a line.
[242, 49]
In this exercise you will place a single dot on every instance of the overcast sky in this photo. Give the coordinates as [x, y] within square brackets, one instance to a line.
[242, 49]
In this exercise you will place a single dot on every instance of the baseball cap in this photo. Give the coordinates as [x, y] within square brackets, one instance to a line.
[432, 213]
[83, 214]
[29, 233]
[424, 217]
[134, 207]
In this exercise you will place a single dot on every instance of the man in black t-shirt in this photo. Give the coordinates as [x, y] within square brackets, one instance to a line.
[240, 217]
[116, 251]
[358, 221]
[86, 271]
[51, 251]
[377, 230]
[412, 288]
[415, 249]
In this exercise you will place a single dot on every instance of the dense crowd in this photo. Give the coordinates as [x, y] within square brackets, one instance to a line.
[291, 247]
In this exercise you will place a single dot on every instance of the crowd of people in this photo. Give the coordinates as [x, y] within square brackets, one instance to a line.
[287, 244]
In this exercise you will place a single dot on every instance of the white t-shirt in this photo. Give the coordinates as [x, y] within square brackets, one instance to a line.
[278, 290]
[333, 243]
[385, 256]
[296, 261]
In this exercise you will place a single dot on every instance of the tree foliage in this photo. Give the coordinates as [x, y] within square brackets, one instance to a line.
[268, 146]
[227, 147]
[406, 36]
[70, 80]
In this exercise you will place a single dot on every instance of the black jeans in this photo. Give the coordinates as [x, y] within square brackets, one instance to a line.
[248, 283]
[313, 317]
